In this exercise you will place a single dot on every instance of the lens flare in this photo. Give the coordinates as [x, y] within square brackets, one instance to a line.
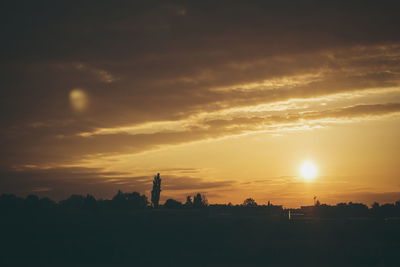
[78, 99]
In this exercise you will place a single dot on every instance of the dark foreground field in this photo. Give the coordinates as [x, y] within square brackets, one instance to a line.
[195, 236]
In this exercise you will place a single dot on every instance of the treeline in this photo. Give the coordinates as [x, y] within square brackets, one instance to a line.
[136, 201]
[121, 201]
[388, 210]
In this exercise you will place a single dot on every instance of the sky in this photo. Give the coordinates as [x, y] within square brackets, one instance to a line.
[225, 98]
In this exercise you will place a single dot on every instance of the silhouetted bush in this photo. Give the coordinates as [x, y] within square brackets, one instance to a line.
[172, 204]
[90, 203]
[189, 202]
[249, 202]
[31, 202]
[10, 202]
[200, 201]
[73, 203]
[47, 204]
[132, 200]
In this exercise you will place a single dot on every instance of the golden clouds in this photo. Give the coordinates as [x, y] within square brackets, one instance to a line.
[259, 121]
[167, 76]
[278, 94]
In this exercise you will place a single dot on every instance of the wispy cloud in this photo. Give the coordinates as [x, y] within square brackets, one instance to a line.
[157, 75]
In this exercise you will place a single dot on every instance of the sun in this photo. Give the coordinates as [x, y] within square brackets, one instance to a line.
[308, 171]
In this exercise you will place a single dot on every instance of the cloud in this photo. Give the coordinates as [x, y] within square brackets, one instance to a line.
[168, 66]
[168, 72]
[357, 111]
[102, 75]
[61, 182]
[72, 149]
[192, 183]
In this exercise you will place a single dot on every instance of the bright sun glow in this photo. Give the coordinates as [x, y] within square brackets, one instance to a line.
[308, 171]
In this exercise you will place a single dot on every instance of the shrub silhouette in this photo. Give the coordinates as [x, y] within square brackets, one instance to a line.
[31, 202]
[10, 202]
[90, 203]
[189, 202]
[73, 203]
[200, 201]
[172, 204]
[47, 204]
[249, 202]
[126, 201]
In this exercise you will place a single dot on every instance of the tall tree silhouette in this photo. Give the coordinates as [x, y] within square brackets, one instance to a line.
[155, 193]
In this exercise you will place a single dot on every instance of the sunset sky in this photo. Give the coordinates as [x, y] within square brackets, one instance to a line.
[226, 98]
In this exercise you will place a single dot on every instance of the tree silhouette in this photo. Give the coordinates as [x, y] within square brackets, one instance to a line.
[47, 204]
[118, 200]
[375, 205]
[155, 193]
[90, 203]
[73, 203]
[10, 202]
[200, 201]
[32, 202]
[189, 202]
[249, 202]
[134, 200]
[172, 204]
